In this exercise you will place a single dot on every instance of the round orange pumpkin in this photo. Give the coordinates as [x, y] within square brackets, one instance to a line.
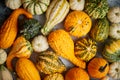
[98, 68]
[78, 23]
[77, 74]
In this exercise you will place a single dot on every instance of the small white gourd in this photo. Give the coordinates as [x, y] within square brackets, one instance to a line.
[3, 56]
[105, 78]
[77, 4]
[13, 4]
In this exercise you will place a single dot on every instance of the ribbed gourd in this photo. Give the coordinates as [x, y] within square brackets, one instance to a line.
[36, 7]
[55, 14]
[85, 49]
[8, 31]
[100, 30]
[30, 28]
[111, 50]
[96, 8]
[21, 48]
[26, 70]
[49, 63]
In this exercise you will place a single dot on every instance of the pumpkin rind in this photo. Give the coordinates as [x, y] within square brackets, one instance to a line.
[98, 68]
[96, 8]
[36, 7]
[100, 30]
[114, 71]
[8, 31]
[55, 76]
[3, 56]
[85, 49]
[55, 14]
[111, 51]
[76, 74]
[31, 28]
[77, 23]
[48, 63]
[26, 70]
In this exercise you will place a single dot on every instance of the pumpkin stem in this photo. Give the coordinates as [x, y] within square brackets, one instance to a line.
[78, 0]
[102, 68]
[1, 67]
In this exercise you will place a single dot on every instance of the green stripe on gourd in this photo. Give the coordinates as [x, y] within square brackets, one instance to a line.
[55, 14]
[48, 63]
[100, 30]
[85, 49]
[96, 8]
[111, 51]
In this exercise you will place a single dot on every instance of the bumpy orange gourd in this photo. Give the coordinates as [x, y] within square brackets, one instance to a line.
[98, 68]
[21, 48]
[8, 31]
[76, 74]
[78, 23]
[26, 70]
[61, 42]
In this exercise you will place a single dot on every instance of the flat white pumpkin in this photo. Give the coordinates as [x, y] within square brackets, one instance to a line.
[3, 56]
[114, 14]
[77, 4]
[13, 4]
[115, 31]
[114, 70]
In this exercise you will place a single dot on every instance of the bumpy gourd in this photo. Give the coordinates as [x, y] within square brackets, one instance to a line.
[35, 7]
[13, 4]
[55, 14]
[21, 48]
[49, 63]
[100, 30]
[61, 42]
[96, 8]
[8, 31]
[78, 23]
[85, 49]
[111, 50]
[76, 74]
[26, 70]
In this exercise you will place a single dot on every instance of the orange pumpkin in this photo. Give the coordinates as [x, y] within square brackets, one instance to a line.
[98, 68]
[77, 74]
[78, 23]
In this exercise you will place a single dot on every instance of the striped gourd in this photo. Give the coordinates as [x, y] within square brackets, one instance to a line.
[111, 51]
[48, 63]
[100, 30]
[55, 14]
[96, 8]
[36, 7]
[85, 49]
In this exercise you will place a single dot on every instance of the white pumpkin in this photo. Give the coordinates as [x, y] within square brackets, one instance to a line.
[115, 31]
[3, 56]
[36, 7]
[13, 4]
[5, 73]
[114, 15]
[114, 70]
[77, 4]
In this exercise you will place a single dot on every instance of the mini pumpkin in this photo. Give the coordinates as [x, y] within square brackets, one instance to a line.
[76, 74]
[114, 14]
[85, 49]
[114, 71]
[98, 68]
[77, 23]
[35, 7]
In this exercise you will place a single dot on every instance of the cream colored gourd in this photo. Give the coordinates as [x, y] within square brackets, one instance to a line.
[5, 73]
[77, 4]
[3, 56]
[114, 70]
[13, 4]
[105, 78]
[55, 14]
[115, 31]
[114, 15]
[36, 7]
